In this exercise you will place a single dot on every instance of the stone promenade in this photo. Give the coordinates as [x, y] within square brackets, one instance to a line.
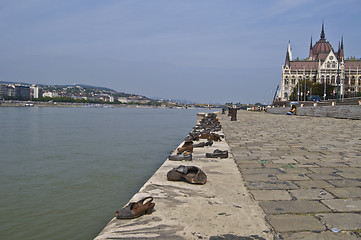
[305, 172]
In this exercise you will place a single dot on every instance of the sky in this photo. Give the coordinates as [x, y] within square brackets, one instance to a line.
[205, 51]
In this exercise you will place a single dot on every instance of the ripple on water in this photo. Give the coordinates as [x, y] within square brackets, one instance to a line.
[64, 171]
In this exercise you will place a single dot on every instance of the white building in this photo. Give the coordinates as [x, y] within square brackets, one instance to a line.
[50, 94]
[322, 65]
[123, 99]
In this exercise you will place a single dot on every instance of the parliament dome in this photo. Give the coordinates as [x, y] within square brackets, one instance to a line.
[321, 49]
[322, 46]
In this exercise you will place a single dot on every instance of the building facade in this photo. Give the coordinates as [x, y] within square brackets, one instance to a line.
[323, 65]
[36, 92]
[15, 91]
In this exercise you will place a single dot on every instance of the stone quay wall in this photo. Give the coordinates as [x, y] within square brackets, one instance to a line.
[342, 111]
[220, 209]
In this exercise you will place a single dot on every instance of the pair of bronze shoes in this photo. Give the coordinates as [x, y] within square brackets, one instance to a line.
[203, 144]
[136, 209]
[214, 137]
[211, 136]
[187, 146]
[184, 156]
[190, 174]
[217, 154]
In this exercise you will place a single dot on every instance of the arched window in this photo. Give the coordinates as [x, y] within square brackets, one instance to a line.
[322, 79]
[293, 80]
[333, 64]
[328, 79]
[353, 80]
[286, 81]
[359, 80]
[285, 95]
[333, 79]
[328, 65]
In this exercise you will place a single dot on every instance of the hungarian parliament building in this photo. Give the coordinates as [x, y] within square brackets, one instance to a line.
[323, 65]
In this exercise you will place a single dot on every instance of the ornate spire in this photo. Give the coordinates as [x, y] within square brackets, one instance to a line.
[310, 56]
[342, 42]
[289, 50]
[288, 54]
[322, 32]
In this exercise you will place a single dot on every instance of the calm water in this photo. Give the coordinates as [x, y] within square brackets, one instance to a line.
[64, 171]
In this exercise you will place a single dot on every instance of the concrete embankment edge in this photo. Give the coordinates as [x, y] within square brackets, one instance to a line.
[346, 112]
[220, 209]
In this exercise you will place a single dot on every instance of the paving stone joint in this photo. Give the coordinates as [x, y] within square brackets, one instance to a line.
[304, 171]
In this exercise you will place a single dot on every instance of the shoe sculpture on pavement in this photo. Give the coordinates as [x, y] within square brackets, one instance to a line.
[217, 154]
[187, 156]
[203, 144]
[187, 146]
[190, 174]
[136, 209]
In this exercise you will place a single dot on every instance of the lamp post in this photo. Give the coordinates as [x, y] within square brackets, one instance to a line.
[342, 84]
[324, 92]
[338, 78]
[298, 90]
[304, 79]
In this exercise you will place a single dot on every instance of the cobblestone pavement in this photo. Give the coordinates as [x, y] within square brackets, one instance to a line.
[305, 172]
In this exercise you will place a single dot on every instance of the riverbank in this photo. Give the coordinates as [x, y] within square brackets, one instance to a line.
[220, 209]
[15, 103]
[70, 104]
[75, 105]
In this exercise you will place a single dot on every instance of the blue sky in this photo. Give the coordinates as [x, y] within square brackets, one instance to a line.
[210, 51]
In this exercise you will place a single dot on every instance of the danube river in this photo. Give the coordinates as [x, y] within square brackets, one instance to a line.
[64, 171]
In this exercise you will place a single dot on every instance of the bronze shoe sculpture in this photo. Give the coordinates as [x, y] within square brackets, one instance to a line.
[217, 154]
[202, 144]
[186, 156]
[214, 137]
[190, 174]
[204, 135]
[136, 209]
[187, 146]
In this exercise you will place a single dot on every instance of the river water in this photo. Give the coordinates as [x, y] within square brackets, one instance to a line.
[64, 171]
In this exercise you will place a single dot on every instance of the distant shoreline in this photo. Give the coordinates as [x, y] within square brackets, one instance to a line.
[82, 105]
